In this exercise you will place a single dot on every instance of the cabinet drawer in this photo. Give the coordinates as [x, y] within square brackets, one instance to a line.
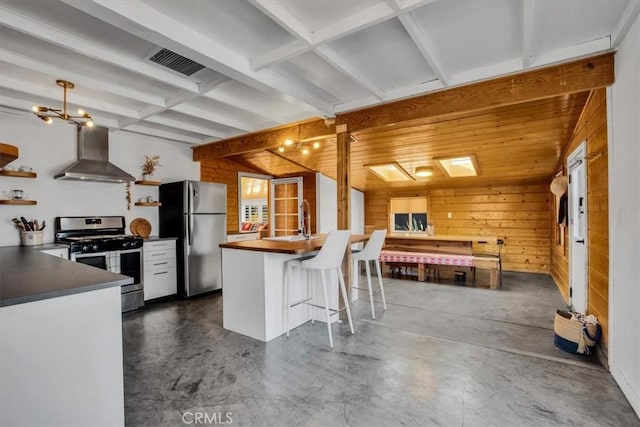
[158, 264]
[160, 283]
[156, 255]
[62, 252]
[160, 245]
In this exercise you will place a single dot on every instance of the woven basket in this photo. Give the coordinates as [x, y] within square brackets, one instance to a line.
[574, 336]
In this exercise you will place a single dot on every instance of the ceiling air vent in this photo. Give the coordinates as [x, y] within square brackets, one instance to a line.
[176, 62]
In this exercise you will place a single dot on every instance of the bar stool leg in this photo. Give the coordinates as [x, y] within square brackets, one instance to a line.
[356, 277]
[368, 269]
[310, 295]
[384, 300]
[343, 289]
[287, 279]
[326, 306]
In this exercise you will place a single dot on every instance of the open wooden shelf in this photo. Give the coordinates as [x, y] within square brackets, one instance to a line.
[18, 174]
[152, 183]
[18, 202]
[148, 204]
[8, 153]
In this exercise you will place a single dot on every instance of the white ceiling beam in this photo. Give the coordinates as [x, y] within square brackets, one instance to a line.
[79, 79]
[358, 103]
[23, 108]
[149, 130]
[280, 54]
[349, 70]
[182, 125]
[627, 19]
[425, 46]
[54, 94]
[248, 105]
[181, 98]
[89, 49]
[350, 24]
[527, 31]
[583, 49]
[487, 72]
[419, 89]
[341, 28]
[146, 22]
[213, 117]
[281, 15]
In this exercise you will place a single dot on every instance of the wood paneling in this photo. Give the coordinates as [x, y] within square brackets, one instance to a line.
[519, 214]
[592, 127]
[572, 77]
[226, 172]
[516, 126]
[270, 138]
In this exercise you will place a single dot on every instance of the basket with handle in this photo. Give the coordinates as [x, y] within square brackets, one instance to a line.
[573, 334]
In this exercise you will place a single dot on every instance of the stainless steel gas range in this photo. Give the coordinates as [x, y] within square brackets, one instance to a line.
[100, 241]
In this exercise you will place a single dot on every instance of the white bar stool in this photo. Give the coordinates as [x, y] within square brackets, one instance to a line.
[329, 258]
[371, 252]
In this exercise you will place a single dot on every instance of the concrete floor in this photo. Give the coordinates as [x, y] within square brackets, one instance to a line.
[440, 355]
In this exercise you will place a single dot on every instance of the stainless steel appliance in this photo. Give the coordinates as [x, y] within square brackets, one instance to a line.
[196, 213]
[100, 241]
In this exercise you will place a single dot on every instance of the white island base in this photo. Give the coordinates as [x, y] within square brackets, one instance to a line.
[253, 294]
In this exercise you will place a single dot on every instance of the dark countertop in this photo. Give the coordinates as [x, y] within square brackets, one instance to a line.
[28, 275]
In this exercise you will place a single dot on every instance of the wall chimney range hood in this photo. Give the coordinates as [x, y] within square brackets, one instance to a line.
[93, 159]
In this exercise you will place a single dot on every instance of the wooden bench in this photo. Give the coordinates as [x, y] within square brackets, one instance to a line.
[423, 259]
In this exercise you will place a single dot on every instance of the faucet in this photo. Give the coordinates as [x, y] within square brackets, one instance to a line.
[305, 229]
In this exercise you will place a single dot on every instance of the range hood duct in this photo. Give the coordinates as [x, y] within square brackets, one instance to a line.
[93, 159]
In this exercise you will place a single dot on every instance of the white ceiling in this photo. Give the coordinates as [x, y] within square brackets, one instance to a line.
[270, 62]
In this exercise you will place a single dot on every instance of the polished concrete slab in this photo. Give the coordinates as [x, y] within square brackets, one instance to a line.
[440, 355]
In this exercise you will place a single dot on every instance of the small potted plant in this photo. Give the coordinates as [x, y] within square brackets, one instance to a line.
[149, 166]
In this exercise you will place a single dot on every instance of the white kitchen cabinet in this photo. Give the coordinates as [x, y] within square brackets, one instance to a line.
[242, 237]
[59, 252]
[160, 275]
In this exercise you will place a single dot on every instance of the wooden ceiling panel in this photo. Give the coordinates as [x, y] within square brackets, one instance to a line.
[513, 140]
[268, 162]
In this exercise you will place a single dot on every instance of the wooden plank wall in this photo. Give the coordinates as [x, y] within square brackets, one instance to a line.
[226, 172]
[591, 127]
[519, 214]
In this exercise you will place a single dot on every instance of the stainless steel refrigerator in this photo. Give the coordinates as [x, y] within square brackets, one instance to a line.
[196, 213]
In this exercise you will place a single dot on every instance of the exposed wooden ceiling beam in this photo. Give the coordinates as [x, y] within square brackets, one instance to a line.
[571, 77]
[266, 139]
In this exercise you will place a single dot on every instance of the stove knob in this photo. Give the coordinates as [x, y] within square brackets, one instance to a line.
[94, 247]
[125, 244]
[85, 248]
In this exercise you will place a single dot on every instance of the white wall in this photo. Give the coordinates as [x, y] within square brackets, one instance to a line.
[50, 148]
[327, 206]
[624, 217]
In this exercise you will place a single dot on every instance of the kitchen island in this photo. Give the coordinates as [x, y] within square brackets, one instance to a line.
[253, 291]
[61, 341]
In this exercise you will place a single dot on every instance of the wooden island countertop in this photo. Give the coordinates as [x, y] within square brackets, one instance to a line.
[288, 246]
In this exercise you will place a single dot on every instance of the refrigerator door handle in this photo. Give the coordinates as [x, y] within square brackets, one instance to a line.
[189, 224]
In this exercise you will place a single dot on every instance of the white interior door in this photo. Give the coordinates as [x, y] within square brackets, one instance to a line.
[577, 167]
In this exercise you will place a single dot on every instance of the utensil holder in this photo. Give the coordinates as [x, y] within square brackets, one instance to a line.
[31, 238]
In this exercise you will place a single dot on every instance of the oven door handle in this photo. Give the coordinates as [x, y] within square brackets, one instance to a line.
[88, 255]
